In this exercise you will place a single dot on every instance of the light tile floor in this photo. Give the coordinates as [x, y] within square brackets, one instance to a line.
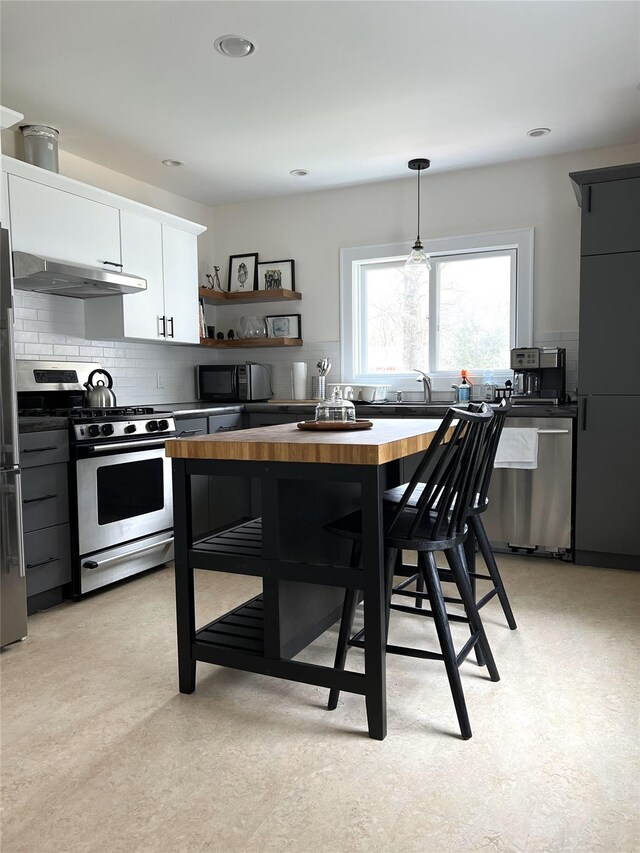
[101, 753]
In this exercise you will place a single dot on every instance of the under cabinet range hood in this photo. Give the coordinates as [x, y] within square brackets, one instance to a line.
[31, 272]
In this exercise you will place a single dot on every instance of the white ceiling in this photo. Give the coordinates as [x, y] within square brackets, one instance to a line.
[348, 90]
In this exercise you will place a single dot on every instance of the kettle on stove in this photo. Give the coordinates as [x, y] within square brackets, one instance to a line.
[99, 396]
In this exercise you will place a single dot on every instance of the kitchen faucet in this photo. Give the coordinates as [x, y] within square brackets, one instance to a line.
[426, 384]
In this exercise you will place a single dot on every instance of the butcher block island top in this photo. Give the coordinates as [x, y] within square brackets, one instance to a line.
[389, 439]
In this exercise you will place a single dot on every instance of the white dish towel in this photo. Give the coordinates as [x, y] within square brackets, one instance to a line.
[518, 448]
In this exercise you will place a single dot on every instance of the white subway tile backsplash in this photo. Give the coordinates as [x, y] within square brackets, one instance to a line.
[50, 338]
[25, 336]
[38, 350]
[63, 349]
[53, 326]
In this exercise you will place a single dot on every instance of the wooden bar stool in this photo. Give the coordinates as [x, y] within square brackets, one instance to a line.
[434, 521]
[477, 533]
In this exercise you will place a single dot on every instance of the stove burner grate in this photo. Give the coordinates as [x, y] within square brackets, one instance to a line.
[81, 414]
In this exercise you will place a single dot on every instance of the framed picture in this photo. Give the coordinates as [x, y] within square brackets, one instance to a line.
[276, 275]
[243, 273]
[284, 326]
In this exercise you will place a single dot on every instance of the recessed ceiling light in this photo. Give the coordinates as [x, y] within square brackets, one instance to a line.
[172, 163]
[539, 131]
[235, 47]
[299, 173]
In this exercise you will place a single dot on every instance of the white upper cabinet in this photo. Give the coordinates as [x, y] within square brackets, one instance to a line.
[135, 315]
[141, 241]
[57, 217]
[180, 264]
[56, 224]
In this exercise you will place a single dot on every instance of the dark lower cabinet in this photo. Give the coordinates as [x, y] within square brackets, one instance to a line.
[259, 419]
[45, 514]
[191, 427]
[217, 502]
[229, 497]
[608, 482]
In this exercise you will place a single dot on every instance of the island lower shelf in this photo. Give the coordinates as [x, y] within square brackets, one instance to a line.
[241, 629]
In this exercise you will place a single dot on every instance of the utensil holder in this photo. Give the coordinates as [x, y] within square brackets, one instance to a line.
[318, 387]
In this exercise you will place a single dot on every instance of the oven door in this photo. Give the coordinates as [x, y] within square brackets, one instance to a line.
[122, 495]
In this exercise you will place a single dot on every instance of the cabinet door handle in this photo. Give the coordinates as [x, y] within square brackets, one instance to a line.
[584, 415]
[35, 500]
[589, 199]
[42, 562]
[170, 322]
[226, 429]
[39, 449]
[162, 327]
[112, 264]
[553, 432]
[189, 432]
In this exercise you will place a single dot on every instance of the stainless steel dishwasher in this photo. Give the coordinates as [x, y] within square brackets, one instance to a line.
[531, 509]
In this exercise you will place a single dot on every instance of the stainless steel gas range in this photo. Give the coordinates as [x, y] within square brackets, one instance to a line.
[120, 480]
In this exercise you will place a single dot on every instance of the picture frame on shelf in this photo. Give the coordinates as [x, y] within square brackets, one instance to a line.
[277, 275]
[284, 326]
[243, 273]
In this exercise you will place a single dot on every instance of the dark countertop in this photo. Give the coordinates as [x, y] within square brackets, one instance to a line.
[205, 409]
[416, 410]
[39, 424]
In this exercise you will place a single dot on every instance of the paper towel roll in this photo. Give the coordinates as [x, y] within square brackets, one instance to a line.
[299, 380]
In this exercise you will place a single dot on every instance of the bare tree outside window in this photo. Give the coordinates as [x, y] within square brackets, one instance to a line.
[472, 322]
[397, 318]
[473, 312]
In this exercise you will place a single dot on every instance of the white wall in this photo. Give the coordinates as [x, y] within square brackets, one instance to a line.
[312, 228]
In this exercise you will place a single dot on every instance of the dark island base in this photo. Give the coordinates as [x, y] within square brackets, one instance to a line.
[305, 572]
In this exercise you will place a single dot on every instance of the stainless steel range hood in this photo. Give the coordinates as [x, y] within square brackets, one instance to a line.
[31, 272]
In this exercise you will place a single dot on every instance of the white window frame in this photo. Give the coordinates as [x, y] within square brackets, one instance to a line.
[351, 309]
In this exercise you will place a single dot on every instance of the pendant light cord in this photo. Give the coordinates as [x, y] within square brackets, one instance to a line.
[419, 171]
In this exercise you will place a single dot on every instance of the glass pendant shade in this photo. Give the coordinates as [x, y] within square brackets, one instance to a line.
[418, 263]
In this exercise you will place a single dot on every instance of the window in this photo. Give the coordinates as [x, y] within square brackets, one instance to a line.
[474, 307]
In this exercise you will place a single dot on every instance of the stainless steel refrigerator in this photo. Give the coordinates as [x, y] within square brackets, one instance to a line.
[13, 596]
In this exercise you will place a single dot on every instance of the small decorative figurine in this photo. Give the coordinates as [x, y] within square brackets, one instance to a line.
[231, 334]
[220, 336]
[216, 278]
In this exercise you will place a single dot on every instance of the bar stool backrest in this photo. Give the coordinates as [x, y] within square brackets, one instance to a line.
[453, 460]
[485, 468]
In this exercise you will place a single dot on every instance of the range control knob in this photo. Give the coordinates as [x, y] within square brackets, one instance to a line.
[130, 428]
[162, 425]
[93, 430]
[107, 429]
[152, 426]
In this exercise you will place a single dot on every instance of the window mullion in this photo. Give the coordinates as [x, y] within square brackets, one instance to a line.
[433, 316]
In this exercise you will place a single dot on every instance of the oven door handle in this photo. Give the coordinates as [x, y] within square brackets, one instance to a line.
[93, 564]
[122, 445]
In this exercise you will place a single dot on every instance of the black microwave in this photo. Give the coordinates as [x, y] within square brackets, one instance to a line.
[234, 383]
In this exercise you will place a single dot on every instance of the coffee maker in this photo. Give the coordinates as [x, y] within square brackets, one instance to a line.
[539, 375]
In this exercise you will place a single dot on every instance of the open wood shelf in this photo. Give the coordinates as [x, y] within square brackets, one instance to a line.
[252, 343]
[238, 298]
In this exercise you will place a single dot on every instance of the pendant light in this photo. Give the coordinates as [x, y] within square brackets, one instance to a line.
[418, 263]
